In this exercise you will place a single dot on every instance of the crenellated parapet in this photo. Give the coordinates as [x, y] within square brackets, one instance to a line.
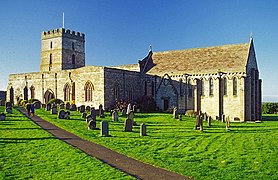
[64, 33]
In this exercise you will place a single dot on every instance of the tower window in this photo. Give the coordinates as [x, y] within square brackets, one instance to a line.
[234, 86]
[73, 59]
[50, 62]
[72, 45]
[51, 45]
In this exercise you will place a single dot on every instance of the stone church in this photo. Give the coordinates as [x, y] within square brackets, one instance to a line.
[219, 80]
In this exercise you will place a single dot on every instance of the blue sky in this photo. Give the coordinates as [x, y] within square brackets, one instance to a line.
[120, 31]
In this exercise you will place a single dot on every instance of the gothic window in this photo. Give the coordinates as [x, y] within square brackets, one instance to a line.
[88, 91]
[153, 88]
[210, 86]
[202, 87]
[67, 92]
[234, 86]
[32, 90]
[73, 59]
[225, 86]
[145, 88]
[72, 45]
[190, 88]
[51, 45]
[129, 93]
[25, 93]
[181, 87]
[73, 91]
[117, 92]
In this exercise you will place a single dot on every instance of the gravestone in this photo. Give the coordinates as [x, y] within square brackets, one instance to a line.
[143, 130]
[128, 125]
[101, 111]
[8, 104]
[92, 124]
[88, 108]
[84, 115]
[68, 106]
[9, 110]
[209, 121]
[115, 115]
[197, 126]
[61, 114]
[104, 131]
[82, 108]
[128, 108]
[2, 116]
[67, 115]
[62, 106]
[124, 112]
[134, 108]
[48, 107]
[205, 117]
[73, 107]
[223, 117]
[180, 117]
[131, 116]
[38, 104]
[54, 110]
[228, 123]
[94, 114]
[175, 115]
[89, 118]
[201, 123]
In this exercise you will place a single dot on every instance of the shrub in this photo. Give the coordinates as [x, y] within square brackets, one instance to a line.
[269, 108]
[33, 100]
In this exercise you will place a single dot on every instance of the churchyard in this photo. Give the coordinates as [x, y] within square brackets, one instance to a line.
[245, 151]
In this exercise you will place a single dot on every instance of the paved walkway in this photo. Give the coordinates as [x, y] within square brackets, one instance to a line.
[119, 161]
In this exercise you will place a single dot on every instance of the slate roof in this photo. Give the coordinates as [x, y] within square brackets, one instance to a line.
[227, 58]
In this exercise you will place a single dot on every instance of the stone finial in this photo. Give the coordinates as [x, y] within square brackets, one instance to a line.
[251, 35]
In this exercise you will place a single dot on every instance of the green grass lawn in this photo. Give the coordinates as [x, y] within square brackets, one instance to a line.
[247, 151]
[28, 152]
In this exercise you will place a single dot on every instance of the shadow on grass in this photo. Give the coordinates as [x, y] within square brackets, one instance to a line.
[20, 129]
[21, 140]
[270, 118]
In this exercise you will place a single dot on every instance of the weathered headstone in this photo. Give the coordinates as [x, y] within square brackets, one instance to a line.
[209, 121]
[201, 123]
[67, 115]
[128, 108]
[143, 130]
[73, 107]
[101, 112]
[2, 116]
[104, 130]
[134, 108]
[38, 104]
[197, 126]
[88, 108]
[48, 107]
[115, 115]
[84, 115]
[62, 106]
[131, 116]
[8, 104]
[9, 110]
[175, 115]
[89, 118]
[68, 106]
[92, 124]
[124, 112]
[54, 110]
[94, 114]
[205, 117]
[61, 114]
[128, 125]
[82, 108]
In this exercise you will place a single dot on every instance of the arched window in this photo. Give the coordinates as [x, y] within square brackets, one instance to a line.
[72, 45]
[129, 93]
[32, 90]
[73, 59]
[190, 88]
[51, 45]
[88, 91]
[153, 88]
[234, 86]
[225, 86]
[181, 87]
[25, 93]
[73, 91]
[67, 92]
[145, 88]
[202, 87]
[210, 86]
[116, 92]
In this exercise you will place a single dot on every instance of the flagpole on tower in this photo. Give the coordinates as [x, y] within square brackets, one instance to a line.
[63, 20]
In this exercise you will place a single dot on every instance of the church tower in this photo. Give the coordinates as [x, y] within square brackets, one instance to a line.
[62, 49]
